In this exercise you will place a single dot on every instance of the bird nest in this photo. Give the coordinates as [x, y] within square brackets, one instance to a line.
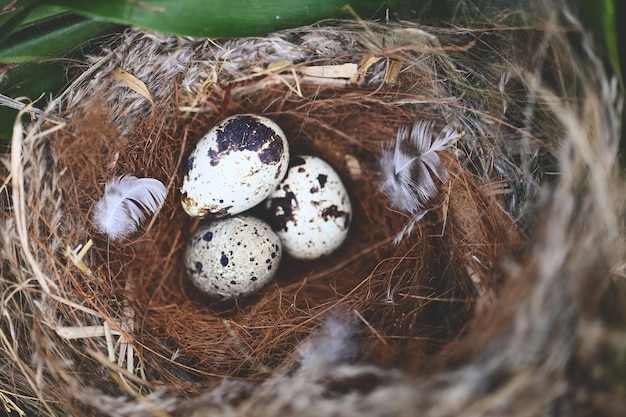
[500, 293]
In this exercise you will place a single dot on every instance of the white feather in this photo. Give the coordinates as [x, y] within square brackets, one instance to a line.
[408, 166]
[126, 202]
[336, 341]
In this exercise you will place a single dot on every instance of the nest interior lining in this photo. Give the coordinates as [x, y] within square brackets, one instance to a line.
[403, 298]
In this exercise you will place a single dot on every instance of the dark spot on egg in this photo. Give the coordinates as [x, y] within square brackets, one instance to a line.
[216, 212]
[253, 279]
[321, 178]
[224, 259]
[189, 165]
[314, 190]
[214, 157]
[334, 212]
[273, 152]
[281, 211]
[233, 282]
[208, 236]
[248, 133]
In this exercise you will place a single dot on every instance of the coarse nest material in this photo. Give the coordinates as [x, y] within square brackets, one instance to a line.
[505, 298]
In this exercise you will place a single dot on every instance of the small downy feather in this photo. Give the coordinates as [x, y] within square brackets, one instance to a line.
[408, 167]
[336, 341]
[126, 202]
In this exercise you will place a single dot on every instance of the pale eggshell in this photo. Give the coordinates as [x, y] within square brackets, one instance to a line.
[233, 257]
[310, 209]
[234, 167]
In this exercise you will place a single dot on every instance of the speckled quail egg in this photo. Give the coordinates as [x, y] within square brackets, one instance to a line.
[233, 257]
[234, 167]
[310, 209]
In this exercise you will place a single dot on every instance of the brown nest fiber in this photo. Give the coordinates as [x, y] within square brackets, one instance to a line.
[505, 298]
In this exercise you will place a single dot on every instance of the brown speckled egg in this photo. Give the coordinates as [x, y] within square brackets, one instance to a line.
[234, 167]
[233, 257]
[310, 209]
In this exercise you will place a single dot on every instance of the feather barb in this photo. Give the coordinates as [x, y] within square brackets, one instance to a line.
[126, 202]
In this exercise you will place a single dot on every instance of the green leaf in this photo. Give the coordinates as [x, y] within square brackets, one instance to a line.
[600, 17]
[224, 18]
[44, 49]
[49, 38]
[32, 80]
[42, 12]
[13, 15]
